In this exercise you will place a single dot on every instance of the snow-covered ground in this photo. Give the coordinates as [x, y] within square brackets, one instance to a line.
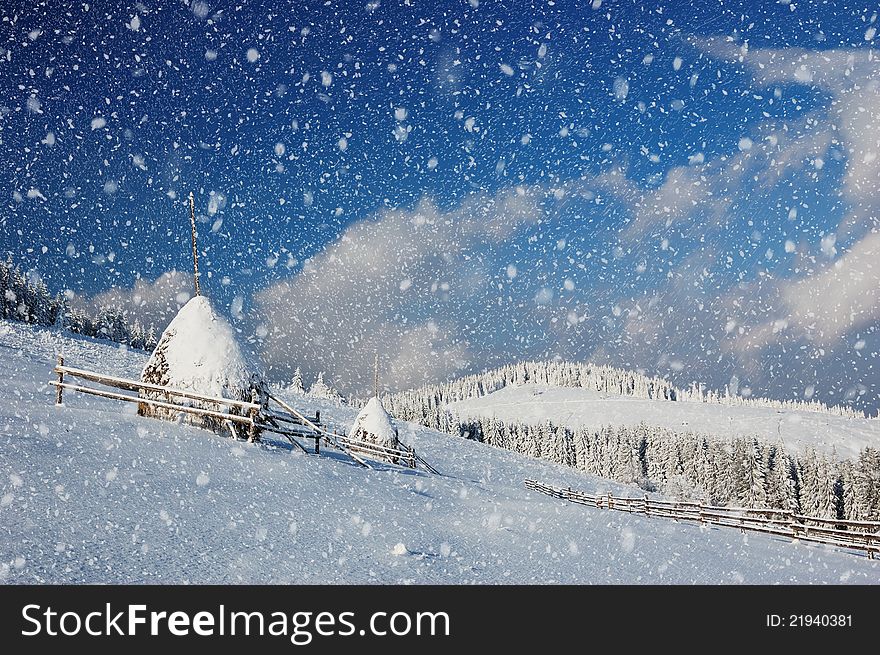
[531, 403]
[90, 492]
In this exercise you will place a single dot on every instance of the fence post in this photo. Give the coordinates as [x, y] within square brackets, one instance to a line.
[252, 413]
[59, 390]
[610, 501]
[647, 513]
[317, 444]
[700, 506]
[317, 417]
[252, 429]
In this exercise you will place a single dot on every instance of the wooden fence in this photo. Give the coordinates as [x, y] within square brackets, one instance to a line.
[246, 411]
[857, 535]
[254, 417]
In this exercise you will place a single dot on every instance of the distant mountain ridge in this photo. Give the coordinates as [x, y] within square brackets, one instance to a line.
[603, 378]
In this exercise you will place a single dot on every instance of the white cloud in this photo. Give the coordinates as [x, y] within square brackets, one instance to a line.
[348, 302]
[695, 199]
[683, 191]
[841, 298]
[852, 76]
[151, 302]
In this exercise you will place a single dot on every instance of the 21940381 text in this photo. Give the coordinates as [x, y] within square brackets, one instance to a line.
[809, 621]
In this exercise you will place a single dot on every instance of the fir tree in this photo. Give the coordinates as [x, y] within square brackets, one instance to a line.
[811, 499]
[756, 490]
[867, 483]
[782, 491]
[296, 384]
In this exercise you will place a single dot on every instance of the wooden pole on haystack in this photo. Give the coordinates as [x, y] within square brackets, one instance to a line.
[192, 221]
[376, 375]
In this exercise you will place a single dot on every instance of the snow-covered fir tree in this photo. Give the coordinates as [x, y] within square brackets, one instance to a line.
[865, 484]
[320, 389]
[755, 489]
[782, 488]
[296, 382]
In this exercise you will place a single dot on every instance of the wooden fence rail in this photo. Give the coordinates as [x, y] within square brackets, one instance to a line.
[135, 385]
[856, 535]
[198, 411]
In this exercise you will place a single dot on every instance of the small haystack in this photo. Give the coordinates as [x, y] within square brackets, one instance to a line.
[198, 352]
[373, 424]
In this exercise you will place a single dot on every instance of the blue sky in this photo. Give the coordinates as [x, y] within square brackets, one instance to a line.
[675, 181]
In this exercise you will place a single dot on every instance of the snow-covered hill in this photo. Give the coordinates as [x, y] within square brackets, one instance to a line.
[576, 408]
[90, 492]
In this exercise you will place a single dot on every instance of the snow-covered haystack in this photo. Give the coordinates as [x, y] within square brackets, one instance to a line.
[373, 424]
[198, 352]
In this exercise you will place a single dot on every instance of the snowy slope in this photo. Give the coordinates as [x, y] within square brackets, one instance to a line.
[93, 493]
[575, 408]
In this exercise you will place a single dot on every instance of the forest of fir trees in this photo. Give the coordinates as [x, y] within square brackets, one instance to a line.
[740, 471]
[733, 472]
[27, 299]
